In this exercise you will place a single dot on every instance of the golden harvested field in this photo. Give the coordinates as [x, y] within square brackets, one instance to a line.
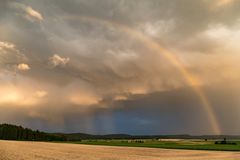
[15, 150]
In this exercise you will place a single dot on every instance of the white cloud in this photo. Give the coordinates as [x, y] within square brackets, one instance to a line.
[227, 37]
[56, 60]
[33, 13]
[6, 45]
[23, 67]
[11, 58]
[30, 13]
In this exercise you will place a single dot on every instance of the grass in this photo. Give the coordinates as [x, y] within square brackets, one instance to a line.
[182, 144]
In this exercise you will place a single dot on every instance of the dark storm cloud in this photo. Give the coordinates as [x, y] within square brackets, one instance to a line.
[172, 112]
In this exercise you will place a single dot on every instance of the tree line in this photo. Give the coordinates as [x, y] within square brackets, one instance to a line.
[13, 132]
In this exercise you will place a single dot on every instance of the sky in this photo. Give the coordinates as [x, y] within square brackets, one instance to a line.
[120, 66]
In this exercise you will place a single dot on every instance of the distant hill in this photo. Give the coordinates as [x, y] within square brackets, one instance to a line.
[13, 132]
[82, 136]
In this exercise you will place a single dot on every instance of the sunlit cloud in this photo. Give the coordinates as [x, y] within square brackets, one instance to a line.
[6, 45]
[30, 13]
[221, 3]
[23, 67]
[217, 5]
[227, 37]
[13, 96]
[138, 90]
[84, 100]
[10, 97]
[41, 93]
[33, 13]
[57, 60]
[11, 59]
[120, 98]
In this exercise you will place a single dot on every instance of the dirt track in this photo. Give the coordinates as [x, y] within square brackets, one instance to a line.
[12, 150]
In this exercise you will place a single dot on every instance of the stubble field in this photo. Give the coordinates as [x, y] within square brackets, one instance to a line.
[16, 150]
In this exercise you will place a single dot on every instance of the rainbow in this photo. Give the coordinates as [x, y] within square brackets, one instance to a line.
[171, 57]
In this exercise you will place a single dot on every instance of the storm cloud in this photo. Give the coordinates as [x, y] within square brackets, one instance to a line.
[74, 66]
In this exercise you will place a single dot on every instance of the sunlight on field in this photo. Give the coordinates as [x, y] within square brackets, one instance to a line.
[12, 150]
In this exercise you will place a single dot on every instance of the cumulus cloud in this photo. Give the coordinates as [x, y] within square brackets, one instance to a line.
[6, 45]
[227, 37]
[33, 13]
[29, 12]
[23, 67]
[11, 59]
[57, 60]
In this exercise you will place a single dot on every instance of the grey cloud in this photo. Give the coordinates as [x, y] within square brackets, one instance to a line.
[171, 112]
[128, 81]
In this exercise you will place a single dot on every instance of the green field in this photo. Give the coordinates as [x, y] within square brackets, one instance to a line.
[179, 144]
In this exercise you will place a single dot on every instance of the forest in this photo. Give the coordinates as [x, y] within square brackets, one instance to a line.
[13, 132]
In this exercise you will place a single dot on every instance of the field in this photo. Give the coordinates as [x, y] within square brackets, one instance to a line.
[168, 144]
[20, 150]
